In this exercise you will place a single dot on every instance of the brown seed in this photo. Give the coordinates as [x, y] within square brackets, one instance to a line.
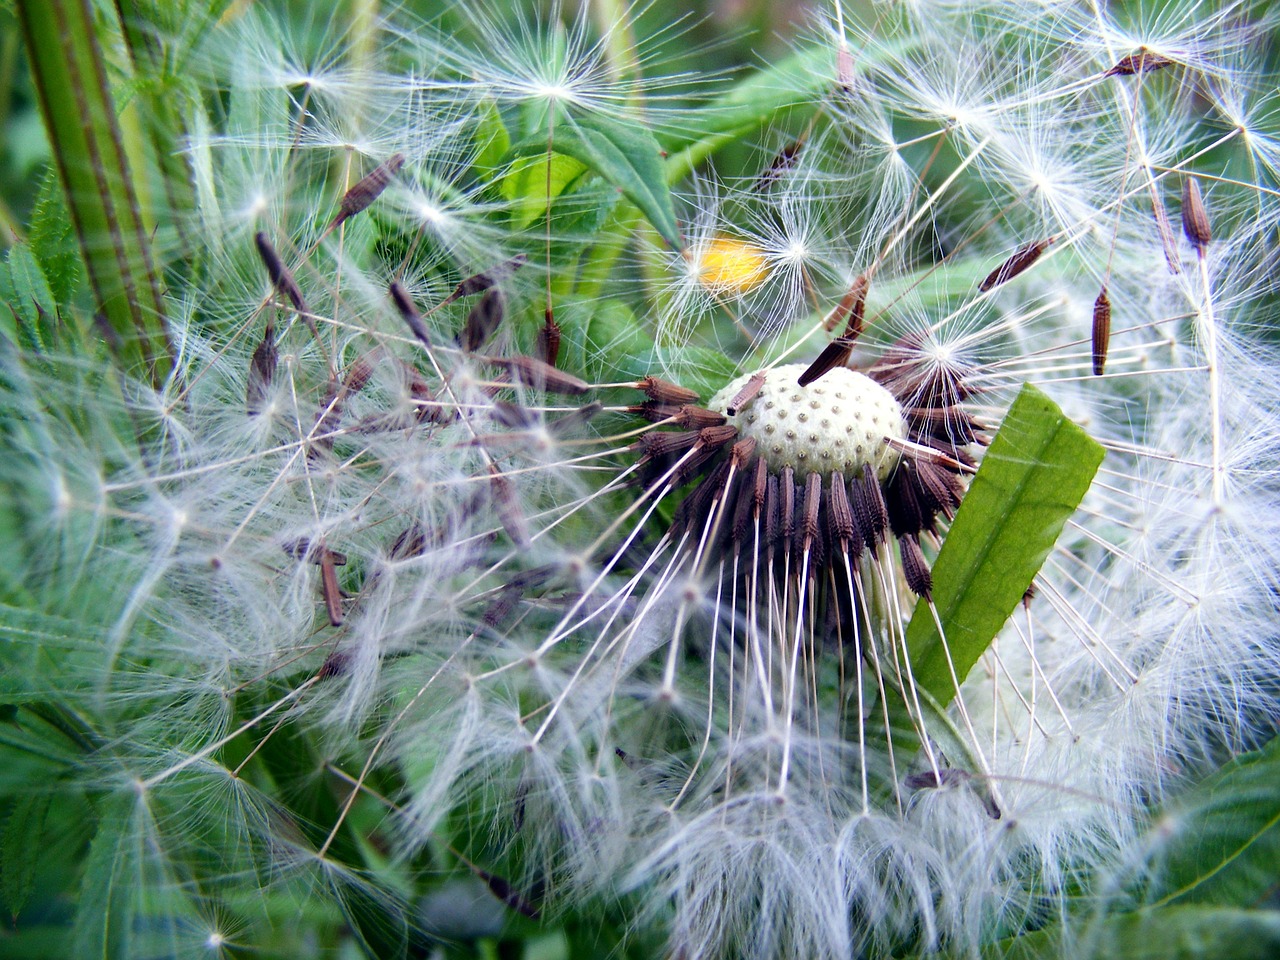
[280, 276]
[1144, 61]
[412, 542]
[1101, 331]
[787, 504]
[869, 507]
[914, 569]
[743, 451]
[358, 375]
[694, 511]
[717, 436]
[483, 319]
[262, 371]
[512, 415]
[839, 513]
[1195, 221]
[571, 421]
[812, 506]
[508, 894]
[834, 354]
[532, 372]
[1016, 264]
[783, 161]
[335, 665]
[368, 188]
[504, 502]
[928, 780]
[480, 282]
[503, 604]
[404, 303]
[548, 343]
[750, 496]
[329, 587]
[656, 412]
[696, 418]
[655, 388]
[850, 309]
[746, 394]
[772, 509]
[660, 444]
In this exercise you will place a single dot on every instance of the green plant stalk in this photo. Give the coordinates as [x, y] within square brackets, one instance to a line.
[69, 71]
[161, 98]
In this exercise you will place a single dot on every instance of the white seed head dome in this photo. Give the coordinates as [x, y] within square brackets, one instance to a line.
[840, 422]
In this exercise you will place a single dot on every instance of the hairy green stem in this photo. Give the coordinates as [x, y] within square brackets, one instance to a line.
[69, 71]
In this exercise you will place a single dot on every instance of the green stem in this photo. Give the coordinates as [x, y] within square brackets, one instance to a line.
[69, 71]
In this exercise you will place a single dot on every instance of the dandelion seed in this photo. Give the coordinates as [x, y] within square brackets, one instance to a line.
[1016, 264]
[548, 343]
[485, 317]
[1144, 61]
[282, 278]
[1195, 221]
[1101, 336]
[366, 190]
[480, 282]
[262, 371]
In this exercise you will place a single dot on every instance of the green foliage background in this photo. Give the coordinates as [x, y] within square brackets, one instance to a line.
[75, 877]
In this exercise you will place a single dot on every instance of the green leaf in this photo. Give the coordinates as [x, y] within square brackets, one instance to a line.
[104, 917]
[22, 849]
[1165, 933]
[626, 156]
[31, 307]
[797, 81]
[491, 140]
[531, 182]
[1220, 841]
[1033, 477]
[53, 241]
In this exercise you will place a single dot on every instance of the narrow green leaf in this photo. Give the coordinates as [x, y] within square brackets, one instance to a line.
[71, 76]
[22, 849]
[1166, 933]
[1220, 841]
[1033, 477]
[53, 241]
[627, 157]
[104, 915]
[30, 306]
